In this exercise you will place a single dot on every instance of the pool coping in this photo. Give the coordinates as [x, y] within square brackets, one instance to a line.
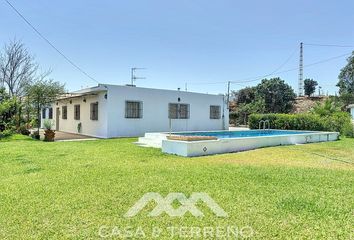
[265, 136]
[228, 145]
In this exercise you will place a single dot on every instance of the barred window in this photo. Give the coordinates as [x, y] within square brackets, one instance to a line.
[43, 113]
[50, 114]
[94, 111]
[184, 111]
[133, 109]
[77, 112]
[215, 112]
[178, 111]
[64, 109]
[173, 110]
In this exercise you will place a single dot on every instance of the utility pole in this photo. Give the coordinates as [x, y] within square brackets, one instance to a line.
[228, 95]
[319, 90]
[133, 76]
[301, 71]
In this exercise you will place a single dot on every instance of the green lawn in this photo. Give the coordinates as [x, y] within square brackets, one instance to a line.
[72, 189]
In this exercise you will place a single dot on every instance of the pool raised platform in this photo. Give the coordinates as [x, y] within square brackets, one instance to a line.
[232, 141]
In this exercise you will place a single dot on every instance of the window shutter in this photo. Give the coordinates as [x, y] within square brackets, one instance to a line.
[215, 112]
[43, 113]
[94, 111]
[133, 109]
[140, 109]
[184, 111]
[50, 113]
[172, 110]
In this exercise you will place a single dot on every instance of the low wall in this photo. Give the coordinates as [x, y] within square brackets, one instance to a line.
[227, 145]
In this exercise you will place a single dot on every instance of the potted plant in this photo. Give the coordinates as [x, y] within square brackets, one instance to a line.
[49, 133]
[79, 126]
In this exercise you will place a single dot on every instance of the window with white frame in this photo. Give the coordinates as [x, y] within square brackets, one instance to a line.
[178, 111]
[133, 109]
[94, 111]
[215, 112]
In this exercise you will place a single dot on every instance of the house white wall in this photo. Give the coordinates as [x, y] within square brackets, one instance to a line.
[112, 122]
[96, 128]
[155, 111]
[352, 112]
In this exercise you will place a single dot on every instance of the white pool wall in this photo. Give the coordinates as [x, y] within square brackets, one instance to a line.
[228, 145]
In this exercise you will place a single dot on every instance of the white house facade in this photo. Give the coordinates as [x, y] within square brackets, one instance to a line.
[108, 111]
[351, 109]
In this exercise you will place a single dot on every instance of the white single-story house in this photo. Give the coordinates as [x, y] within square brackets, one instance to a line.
[351, 109]
[108, 111]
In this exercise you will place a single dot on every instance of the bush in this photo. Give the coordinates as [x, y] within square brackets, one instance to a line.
[348, 130]
[48, 124]
[338, 122]
[23, 130]
[35, 135]
[6, 133]
[232, 117]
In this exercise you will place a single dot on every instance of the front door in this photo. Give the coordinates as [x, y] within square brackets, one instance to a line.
[57, 119]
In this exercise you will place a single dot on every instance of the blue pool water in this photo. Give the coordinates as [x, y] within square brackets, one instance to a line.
[240, 134]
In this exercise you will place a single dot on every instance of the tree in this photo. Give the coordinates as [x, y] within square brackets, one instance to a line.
[278, 96]
[346, 81]
[7, 109]
[42, 92]
[245, 95]
[243, 110]
[270, 96]
[310, 86]
[17, 68]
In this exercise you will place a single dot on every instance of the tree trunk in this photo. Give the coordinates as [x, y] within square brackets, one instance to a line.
[19, 114]
[38, 114]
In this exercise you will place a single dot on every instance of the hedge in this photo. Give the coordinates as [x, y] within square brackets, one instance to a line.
[338, 122]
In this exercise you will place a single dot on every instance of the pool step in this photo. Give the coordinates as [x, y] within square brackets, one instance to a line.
[152, 140]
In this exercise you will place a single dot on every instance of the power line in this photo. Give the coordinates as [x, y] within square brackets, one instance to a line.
[327, 60]
[329, 45]
[270, 74]
[284, 63]
[297, 68]
[50, 43]
[255, 79]
[252, 79]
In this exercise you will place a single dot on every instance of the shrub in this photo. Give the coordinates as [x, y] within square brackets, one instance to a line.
[35, 135]
[23, 130]
[233, 117]
[48, 124]
[348, 130]
[6, 133]
[338, 122]
[328, 108]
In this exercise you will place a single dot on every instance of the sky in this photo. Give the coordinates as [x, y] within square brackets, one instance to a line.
[201, 43]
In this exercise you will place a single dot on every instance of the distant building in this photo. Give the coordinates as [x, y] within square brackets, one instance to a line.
[351, 109]
[108, 111]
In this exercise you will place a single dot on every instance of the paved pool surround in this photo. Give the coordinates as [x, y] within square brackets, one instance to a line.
[229, 142]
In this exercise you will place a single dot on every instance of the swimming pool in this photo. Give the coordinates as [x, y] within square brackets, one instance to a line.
[241, 134]
[236, 141]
